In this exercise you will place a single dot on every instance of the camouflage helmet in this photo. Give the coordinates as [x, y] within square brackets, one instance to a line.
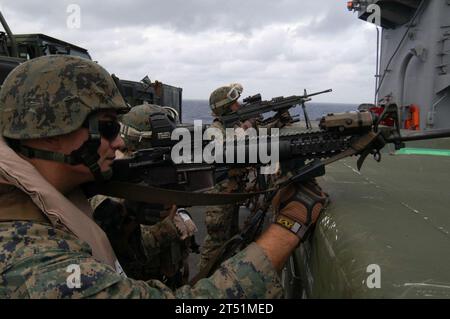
[222, 98]
[53, 95]
[137, 125]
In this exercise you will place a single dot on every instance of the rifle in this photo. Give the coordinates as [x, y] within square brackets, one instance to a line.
[307, 152]
[151, 175]
[357, 133]
[254, 107]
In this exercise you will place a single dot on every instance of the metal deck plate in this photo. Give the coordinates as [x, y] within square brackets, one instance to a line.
[395, 214]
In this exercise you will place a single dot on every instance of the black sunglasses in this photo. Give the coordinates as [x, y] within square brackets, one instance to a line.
[107, 129]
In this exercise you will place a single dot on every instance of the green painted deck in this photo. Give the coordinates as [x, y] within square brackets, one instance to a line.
[395, 214]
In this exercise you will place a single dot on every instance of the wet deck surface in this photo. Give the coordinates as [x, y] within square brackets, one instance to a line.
[395, 214]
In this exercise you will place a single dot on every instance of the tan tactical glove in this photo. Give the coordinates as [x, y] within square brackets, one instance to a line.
[184, 224]
[298, 207]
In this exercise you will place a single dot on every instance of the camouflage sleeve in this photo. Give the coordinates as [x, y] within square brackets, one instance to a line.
[38, 261]
[158, 235]
[247, 275]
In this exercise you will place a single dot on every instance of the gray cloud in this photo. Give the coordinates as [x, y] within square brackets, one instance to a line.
[181, 15]
[273, 47]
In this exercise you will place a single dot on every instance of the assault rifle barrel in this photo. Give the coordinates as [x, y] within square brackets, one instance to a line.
[317, 93]
[419, 136]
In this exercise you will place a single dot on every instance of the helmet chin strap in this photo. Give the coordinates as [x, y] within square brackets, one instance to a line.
[87, 154]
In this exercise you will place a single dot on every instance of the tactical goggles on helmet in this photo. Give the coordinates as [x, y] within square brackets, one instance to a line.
[130, 132]
[233, 95]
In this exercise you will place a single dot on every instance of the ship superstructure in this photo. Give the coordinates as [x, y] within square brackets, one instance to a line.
[414, 57]
[386, 233]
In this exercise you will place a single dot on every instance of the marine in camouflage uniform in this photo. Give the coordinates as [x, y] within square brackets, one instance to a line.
[222, 222]
[47, 235]
[146, 240]
[35, 258]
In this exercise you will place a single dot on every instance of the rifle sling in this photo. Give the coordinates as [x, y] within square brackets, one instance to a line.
[151, 194]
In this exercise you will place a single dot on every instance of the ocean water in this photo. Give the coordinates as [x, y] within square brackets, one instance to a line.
[199, 110]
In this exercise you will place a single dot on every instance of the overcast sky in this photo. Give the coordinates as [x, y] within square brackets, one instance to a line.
[271, 47]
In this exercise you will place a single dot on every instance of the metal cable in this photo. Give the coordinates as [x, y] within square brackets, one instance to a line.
[419, 9]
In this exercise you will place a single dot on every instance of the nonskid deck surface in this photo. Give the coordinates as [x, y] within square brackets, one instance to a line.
[394, 214]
